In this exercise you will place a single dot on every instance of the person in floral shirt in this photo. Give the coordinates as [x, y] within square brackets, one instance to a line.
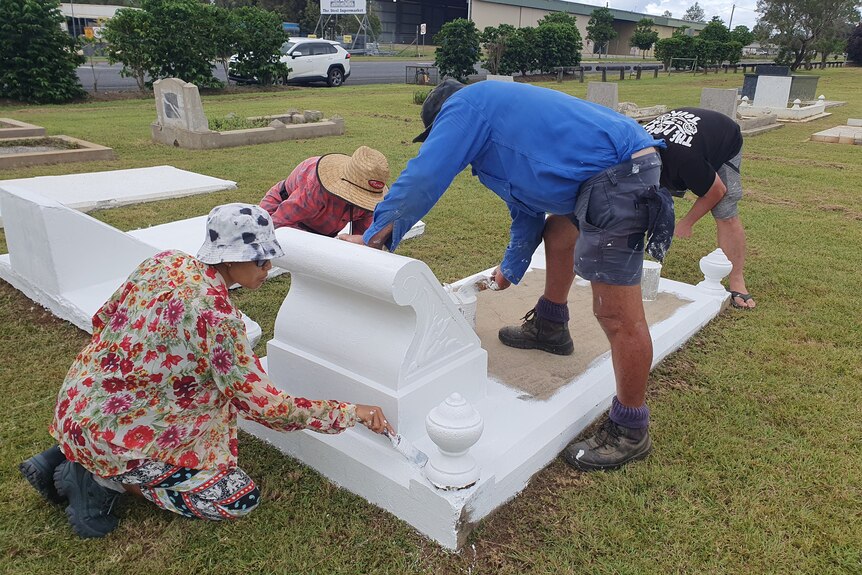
[325, 193]
[150, 405]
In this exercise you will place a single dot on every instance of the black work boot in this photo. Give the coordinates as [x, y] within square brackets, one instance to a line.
[39, 471]
[90, 504]
[610, 448]
[538, 333]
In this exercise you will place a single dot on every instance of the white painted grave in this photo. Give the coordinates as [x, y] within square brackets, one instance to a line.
[772, 91]
[372, 327]
[67, 261]
[96, 190]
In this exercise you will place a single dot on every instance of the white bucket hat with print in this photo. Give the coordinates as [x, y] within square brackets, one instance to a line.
[239, 233]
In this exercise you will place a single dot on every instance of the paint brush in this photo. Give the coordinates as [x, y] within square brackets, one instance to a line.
[407, 449]
[486, 283]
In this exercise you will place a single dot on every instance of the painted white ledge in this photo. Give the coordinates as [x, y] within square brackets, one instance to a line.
[348, 330]
[67, 261]
[97, 190]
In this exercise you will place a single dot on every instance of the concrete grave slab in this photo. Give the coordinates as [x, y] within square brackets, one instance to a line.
[180, 121]
[97, 190]
[500, 78]
[10, 128]
[604, 93]
[772, 91]
[67, 261]
[848, 134]
[420, 354]
[82, 151]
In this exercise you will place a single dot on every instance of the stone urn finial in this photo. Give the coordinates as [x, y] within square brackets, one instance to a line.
[454, 426]
[715, 267]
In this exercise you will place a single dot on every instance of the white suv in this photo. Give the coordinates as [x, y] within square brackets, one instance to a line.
[312, 60]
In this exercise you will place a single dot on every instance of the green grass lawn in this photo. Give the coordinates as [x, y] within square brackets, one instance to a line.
[757, 421]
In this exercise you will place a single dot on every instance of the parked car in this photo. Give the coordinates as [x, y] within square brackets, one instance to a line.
[310, 60]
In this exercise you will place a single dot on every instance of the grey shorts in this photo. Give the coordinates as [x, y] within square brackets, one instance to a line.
[729, 173]
[612, 212]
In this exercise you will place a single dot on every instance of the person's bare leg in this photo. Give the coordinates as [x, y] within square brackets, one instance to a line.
[731, 240]
[624, 437]
[560, 236]
[620, 312]
[133, 490]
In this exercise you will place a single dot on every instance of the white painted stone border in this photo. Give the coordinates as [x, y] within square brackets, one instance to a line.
[115, 188]
[508, 454]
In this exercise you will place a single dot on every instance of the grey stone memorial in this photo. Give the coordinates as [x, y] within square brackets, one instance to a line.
[178, 105]
[604, 93]
[803, 87]
[181, 122]
[772, 91]
[719, 100]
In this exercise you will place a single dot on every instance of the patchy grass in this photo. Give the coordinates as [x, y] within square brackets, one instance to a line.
[756, 420]
[39, 142]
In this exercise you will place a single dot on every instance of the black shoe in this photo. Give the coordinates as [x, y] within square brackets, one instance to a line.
[39, 471]
[90, 504]
[538, 333]
[610, 448]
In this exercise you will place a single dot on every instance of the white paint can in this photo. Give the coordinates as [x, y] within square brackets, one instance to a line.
[649, 280]
[465, 299]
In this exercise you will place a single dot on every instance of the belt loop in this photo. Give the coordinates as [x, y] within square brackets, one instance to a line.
[612, 176]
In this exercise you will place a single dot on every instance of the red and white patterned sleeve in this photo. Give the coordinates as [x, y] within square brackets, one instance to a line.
[240, 377]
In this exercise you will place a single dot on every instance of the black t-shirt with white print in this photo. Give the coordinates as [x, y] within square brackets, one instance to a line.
[698, 143]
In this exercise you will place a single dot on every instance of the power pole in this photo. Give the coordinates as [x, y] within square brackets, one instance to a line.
[730, 23]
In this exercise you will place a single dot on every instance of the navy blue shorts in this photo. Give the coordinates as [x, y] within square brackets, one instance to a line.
[614, 211]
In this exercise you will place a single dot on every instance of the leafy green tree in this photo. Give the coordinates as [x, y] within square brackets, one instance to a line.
[310, 16]
[178, 41]
[600, 28]
[674, 47]
[854, 46]
[667, 14]
[457, 49]
[522, 52]
[742, 35]
[126, 35]
[259, 37]
[715, 31]
[644, 36]
[222, 26]
[798, 26]
[694, 13]
[38, 60]
[560, 18]
[559, 45]
[494, 44]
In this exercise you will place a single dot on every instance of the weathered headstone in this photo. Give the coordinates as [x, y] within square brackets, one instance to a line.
[804, 87]
[604, 93]
[772, 91]
[719, 100]
[178, 105]
[500, 78]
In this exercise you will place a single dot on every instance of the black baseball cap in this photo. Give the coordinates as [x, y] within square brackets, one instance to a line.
[434, 102]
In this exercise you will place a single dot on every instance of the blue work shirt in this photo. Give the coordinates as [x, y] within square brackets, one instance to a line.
[531, 146]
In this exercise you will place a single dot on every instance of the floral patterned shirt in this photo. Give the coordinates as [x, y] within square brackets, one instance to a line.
[167, 371]
[300, 202]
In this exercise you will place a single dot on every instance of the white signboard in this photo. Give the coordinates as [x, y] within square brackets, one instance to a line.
[342, 6]
[422, 29]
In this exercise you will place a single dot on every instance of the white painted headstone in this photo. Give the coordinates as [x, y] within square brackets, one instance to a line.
[178, 105]
[772, 91]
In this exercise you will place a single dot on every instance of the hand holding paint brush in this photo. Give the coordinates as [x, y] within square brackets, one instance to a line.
[496, 282]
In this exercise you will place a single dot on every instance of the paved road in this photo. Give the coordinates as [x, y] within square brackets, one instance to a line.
[375, 72]
[108, 76]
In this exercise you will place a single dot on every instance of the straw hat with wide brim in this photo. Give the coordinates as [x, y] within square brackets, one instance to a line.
[360, 179]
